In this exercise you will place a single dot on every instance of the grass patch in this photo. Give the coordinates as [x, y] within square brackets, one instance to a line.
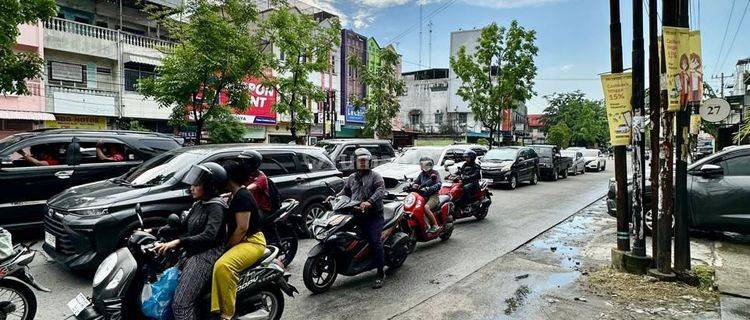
[706, 277]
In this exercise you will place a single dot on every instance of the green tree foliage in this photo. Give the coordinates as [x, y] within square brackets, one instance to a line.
[224, 128]
[306, 45]
[216, 54]
[507, 57]
[134, 125]
[16, 67]
[586, 118]
[559, 135]
[386, 86]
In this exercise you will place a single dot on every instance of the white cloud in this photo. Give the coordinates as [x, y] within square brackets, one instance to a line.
[567, 67]
[381, 3]
[363, 19]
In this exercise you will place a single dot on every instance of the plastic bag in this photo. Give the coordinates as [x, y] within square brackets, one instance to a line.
[157, 297]
[6, 244]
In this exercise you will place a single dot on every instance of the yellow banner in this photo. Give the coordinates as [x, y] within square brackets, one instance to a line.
[618, 90]
[682, 49]
[695, 124]
[77, 122]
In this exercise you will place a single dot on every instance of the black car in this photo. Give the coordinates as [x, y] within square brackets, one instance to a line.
[341, 152]
[552, 165]
[70, 158]
[510, 165]
[86, 223]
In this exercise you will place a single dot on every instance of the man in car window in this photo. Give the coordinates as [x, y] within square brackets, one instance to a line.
[39, 156]
[109, 152]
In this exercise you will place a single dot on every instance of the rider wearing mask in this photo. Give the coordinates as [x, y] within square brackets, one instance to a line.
[428, 184]
[368, 186]
[258, 181]
[470, 173]
[246, 241]
[202, 235]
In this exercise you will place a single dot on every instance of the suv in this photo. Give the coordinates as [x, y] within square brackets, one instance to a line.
[511, 165]
[552, 164]
[341, 152]
[86, 223]
[72, 160]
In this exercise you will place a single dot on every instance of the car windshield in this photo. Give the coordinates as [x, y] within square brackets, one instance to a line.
[328, 147]
[590, 153]
[543, 152]
[501, 154]
[10, 140]
[162, 168]
[568, 153]
[412, 156]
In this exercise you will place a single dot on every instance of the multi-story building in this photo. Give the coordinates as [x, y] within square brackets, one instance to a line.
[536, 127]
[352, 45]
[425, 104]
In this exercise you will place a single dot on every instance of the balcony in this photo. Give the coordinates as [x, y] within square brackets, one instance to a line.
[83, 101]
[72, 36]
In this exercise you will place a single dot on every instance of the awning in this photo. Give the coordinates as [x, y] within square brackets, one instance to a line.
[483, 134]
[129, 57]
[26, 115]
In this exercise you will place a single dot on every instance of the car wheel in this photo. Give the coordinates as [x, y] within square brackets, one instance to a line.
[604, 167]
[534, 178]
[313, 211]
[554, 176]
[574, 172]
[583, 170]
[565, 174]
[513, 182]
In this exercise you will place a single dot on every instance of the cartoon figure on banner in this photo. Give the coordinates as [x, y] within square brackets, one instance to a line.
[696, 78]
[682, 79]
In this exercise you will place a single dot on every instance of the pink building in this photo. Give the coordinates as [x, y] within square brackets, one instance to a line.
[27, 112]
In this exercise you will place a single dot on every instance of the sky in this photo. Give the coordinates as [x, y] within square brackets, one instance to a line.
[572, 35]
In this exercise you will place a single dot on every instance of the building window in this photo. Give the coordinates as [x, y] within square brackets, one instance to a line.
[462, 118]
[136, 71]
[281, 55]
[415, 118]
[438, 118]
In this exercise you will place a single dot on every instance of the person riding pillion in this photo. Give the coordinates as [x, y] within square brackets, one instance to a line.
[428, 183]
[470, 173]
[368, 187]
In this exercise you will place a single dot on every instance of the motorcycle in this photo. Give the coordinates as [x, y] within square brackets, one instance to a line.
[479, 204]
[416, 223]
[17, 300]
[123, 278]
[280, 233]
[342, 248]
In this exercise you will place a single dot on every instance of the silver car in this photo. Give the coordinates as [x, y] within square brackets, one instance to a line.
[579, 165]
[594, 159]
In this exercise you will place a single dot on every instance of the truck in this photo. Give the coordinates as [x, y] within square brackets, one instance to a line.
[552, 165]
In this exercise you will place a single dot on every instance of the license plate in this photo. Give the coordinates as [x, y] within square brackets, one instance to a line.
[50, 239]
[78, 303]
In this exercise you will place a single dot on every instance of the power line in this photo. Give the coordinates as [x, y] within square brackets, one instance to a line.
[724, 38]
[413, 26]
[731, 44]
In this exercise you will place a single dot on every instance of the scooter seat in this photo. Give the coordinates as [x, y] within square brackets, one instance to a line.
[391, 212]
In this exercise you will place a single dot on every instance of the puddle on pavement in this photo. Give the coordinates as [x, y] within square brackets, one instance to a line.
[537, 287]
[564, 241]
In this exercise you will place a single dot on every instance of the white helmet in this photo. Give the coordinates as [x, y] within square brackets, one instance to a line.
[362, 153]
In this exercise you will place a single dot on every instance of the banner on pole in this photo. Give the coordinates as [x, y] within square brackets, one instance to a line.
[618, 90]
[682, 51]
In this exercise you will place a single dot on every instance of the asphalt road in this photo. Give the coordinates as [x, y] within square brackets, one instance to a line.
[516, 216]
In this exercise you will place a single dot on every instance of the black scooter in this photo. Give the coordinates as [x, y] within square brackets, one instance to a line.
[17, 300]
[280, 233]
[121, 278]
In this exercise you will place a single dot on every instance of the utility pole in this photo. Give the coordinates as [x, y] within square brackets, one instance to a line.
[420, 34]
[681, 237]
[429, 28]
[654, 109]
[638, 132]
[722, 82]
[615, 44]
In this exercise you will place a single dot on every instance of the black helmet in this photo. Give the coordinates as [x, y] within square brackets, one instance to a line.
[470, 155]
[362, 153]
[426, 163]
[210, 175]
[252, 159]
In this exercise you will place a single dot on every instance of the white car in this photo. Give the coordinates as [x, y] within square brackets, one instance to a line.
[406, 165]
[594, 159]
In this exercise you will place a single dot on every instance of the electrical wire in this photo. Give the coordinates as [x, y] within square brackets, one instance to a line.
[724, 37]
[731, 44]
[415, 25]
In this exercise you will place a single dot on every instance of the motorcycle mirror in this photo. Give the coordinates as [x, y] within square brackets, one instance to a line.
[173, 220]
[138, 213]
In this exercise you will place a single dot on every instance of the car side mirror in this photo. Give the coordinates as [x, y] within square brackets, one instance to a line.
[711, 169]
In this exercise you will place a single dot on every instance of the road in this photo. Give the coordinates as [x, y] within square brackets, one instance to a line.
[516, 216]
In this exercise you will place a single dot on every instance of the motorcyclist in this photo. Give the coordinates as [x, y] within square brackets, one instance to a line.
[368, 186]
[469, 173]
[202, 235]
[258, 181]
[428, 184]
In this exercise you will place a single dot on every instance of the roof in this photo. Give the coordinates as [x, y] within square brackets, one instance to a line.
[207, 148]
[428, 74]
[535, 120]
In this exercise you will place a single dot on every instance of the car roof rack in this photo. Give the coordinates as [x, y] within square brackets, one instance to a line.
[50, 131]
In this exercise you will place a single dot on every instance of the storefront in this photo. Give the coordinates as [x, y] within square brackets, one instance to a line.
[350, 131]
[281, 134]
[255, 134]
[12, 121]
[64, 121]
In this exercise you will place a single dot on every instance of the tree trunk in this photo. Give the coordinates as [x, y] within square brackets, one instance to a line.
[293, 126]
[492, 136]
[198, 131]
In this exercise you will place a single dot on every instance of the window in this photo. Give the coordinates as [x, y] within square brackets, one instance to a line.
[737, 166]
[415, 119]
[313, 163]
[438, 118]
[160, 144]
[278, 164]
[456, 155]
[136, 71]
[114, 150]
[347, 154]
[374, 150]
[51, 153]
[462, 118]
[387, 151]
[282, 57]
[532, 153]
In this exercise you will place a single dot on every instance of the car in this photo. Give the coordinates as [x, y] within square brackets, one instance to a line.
[407, 164]
[578, 165]
[73, 151]
[341, 152]
[593, 158]
[552, 164]
[718, 197]
[86, 223]
[511, 165]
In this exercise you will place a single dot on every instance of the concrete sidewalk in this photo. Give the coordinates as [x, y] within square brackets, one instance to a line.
[733, 276]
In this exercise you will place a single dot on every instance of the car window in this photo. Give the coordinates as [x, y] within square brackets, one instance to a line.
[387, 150]
[327, 146]
[480, 151]
[53, 154]
[347, 154]
[278, 164]
[456, 155]
[160, 144]
[313, 163]
[374, 150]
[412, 155]
[737, 166]
[111, 151]
[500, 154]
[162, 168]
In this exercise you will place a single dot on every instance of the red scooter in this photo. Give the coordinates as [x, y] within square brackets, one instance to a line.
[478, 205]
[416, 224]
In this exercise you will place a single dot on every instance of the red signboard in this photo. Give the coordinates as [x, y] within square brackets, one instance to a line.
[262, 99]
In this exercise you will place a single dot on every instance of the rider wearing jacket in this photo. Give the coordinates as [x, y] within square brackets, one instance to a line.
[470, 174]
[368, 186]
[428, 183]
[202, 235]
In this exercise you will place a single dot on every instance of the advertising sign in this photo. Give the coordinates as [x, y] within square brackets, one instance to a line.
[66, 71]
[353, 115]
[682, 49]
[618, 89]
[77, 122]
[715, 110]
[262, 100]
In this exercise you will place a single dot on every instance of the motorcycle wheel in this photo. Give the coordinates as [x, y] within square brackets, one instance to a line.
[319, 273]
[446, 235]
[482, 213]
[273, 302]
[398, 257]
[20, 296]
[287, 244]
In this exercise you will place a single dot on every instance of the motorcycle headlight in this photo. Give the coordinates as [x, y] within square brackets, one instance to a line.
[409, 201]
[116, 279]
[105, 268]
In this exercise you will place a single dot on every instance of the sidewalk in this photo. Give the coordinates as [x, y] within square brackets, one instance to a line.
[564, 274]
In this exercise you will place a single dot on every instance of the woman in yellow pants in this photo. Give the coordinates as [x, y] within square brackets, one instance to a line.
[246, 241]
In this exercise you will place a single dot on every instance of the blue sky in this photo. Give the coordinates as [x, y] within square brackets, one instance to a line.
[572, 35]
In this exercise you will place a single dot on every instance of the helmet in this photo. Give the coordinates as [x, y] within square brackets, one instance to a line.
[252, 159]
[210, 175]
[426, 163]
[470, 155]
[362, 153]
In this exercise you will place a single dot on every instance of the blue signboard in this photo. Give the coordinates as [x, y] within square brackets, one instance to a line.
[353, 115]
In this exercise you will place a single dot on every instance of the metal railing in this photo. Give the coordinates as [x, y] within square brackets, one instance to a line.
[96, 92]
[88, 30]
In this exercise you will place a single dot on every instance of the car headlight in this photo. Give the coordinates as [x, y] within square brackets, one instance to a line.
[506, 167]
[409, 201]
[91, 212]
[116, 279]
[105, 268]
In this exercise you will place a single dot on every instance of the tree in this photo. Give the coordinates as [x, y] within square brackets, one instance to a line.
[16, 67]
[304, 45]
[385, 87]
[500, 75]
[559, 135]
[224, 128]
[206, 72]
[585, 118]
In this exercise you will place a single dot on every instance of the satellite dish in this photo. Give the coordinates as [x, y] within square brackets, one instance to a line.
[715, 110]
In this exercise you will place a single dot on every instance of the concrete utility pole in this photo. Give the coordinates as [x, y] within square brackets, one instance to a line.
[615, 43]
[429, 28]
[420, 34]
[721, 90]
[681, 237]
[638, 133]
[654, 105]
